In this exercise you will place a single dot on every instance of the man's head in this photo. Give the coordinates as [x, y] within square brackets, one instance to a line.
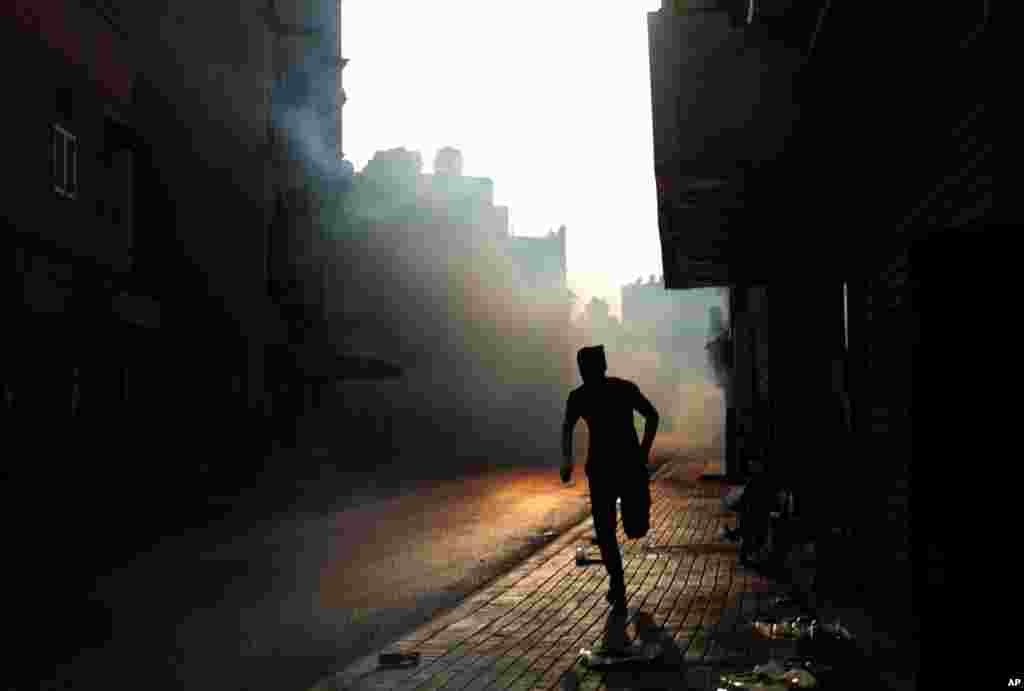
[592, 363]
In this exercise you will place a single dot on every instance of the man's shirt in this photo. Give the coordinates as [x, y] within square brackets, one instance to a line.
[607, 407]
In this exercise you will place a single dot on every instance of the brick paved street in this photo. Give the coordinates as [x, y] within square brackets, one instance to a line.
[525, 630]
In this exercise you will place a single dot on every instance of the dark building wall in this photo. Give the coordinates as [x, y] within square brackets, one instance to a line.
[751, 327]
[73, 359]
[70, 255]
[204, 94]
[891, 164]
[221, 88]
[85, 225]
[186, 258]
[934, 136]
[722, 106]
[892, 327]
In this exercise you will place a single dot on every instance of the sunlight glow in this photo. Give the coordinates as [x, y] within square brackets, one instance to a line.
[549, 99]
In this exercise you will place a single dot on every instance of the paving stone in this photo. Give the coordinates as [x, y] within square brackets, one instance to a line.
[525, 630]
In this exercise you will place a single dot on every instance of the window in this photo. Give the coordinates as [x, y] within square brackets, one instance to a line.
[64, 161]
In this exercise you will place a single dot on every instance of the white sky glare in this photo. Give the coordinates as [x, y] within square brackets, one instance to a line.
[549, 98]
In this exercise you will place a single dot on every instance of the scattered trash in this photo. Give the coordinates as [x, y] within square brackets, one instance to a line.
[785, 601]
[637, 651]
[838, 630]
[544, 536]
[815, 641]
[586, 557]
[749, 681]
[732, 499]
[808, 662]
[819, 670]
[789, 629]
[771, 676]
[800, 679]
[771, 668]
[728, 534]
[398, 660]
[832, 642]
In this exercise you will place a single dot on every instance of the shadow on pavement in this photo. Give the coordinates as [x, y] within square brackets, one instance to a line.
[735, 651]
[667, 672]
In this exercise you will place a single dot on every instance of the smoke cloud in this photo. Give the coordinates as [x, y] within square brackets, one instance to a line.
[423, 274]
[661, 345]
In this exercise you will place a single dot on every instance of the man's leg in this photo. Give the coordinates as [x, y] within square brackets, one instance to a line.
[602, 503]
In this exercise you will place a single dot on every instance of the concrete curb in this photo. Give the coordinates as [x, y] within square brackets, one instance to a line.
[569, 532]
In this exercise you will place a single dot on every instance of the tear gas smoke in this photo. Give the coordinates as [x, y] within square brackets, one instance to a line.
[424, 277]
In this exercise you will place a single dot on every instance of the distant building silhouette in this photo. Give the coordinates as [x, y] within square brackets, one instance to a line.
[541, 261]
[448, 161]
[442, 284]
[668, 320]
[394, 164]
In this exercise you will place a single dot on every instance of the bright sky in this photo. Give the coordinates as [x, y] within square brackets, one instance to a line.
[549, 98]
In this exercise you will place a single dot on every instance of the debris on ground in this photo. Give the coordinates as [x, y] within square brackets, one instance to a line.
[542, 536]
[637, 651]
[818, 669]
[731, 500]
[728, 534]
[799, 627]
[786, 601]
[771, 668]
[792, 628]
[398, 660]
[824, 641]
[771, 676]
[837, 630]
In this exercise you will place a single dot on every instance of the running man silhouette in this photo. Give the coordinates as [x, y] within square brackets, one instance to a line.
[616, 463]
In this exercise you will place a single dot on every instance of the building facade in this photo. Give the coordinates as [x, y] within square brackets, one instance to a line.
[433, 281]
[68, 221]
[143, 282]
[540, 266]
[829, 229]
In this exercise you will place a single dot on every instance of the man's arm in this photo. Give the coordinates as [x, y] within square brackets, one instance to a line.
[646, 408]
[572, 416]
